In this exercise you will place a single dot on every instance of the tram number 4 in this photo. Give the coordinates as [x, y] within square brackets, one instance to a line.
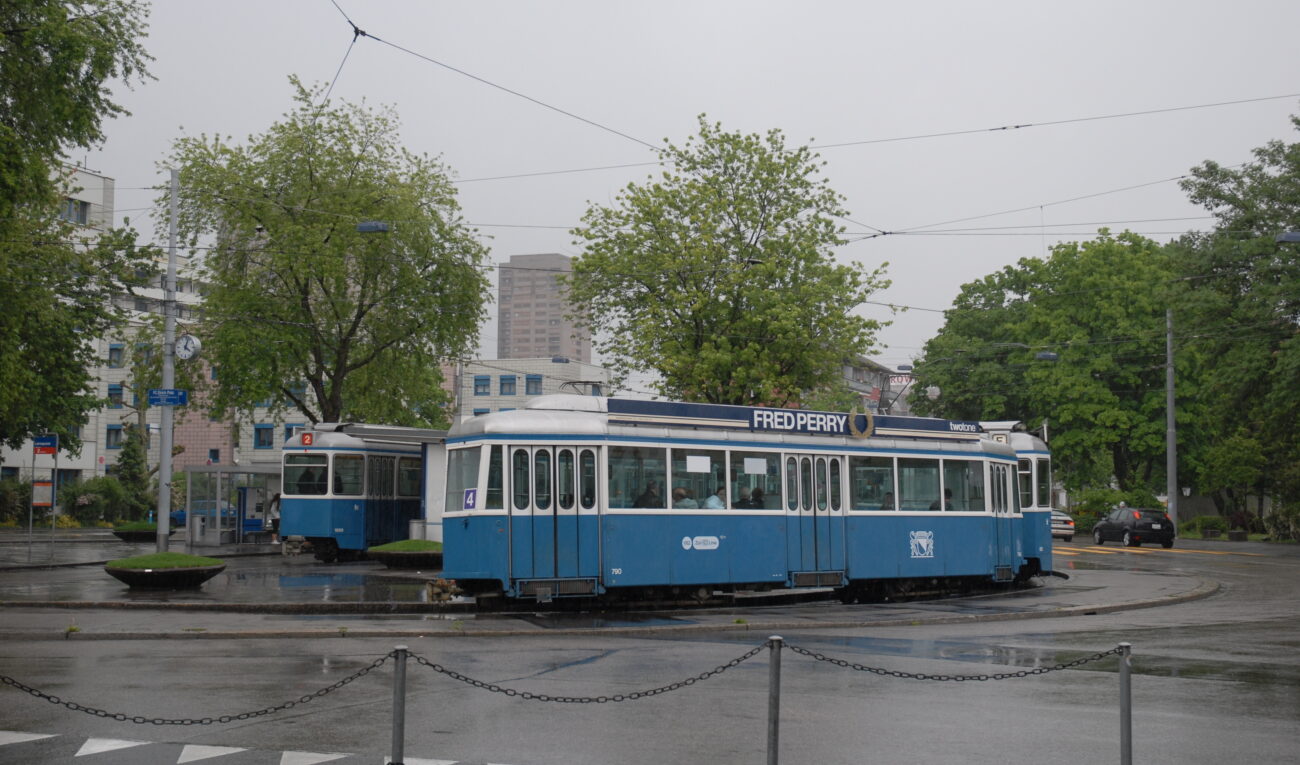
[615, 571]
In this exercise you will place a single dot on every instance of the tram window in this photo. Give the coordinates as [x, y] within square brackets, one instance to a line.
[349, 472]
[791, 483]
[380, 475]
[305, 473]
[821, 483]
[835, 483]
[587, 478]
[805, 483]
[1044, 483]
[564, 479]
[462, 474]
[637, 476]
[519, 478]
[408, 476]
[871, 483]
[699, 473]
[494, 479]
[918, 484]
[1025, 469]
[964, 481]
[542, 477]
[757, 476]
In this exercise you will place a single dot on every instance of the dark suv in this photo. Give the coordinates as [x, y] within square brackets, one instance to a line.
[1133, 526]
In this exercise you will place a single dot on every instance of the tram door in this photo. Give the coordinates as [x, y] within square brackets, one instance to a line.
[815, 512]
[1003, 496]
[545, 534]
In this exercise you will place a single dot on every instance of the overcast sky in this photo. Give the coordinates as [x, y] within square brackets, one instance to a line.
[883, 75]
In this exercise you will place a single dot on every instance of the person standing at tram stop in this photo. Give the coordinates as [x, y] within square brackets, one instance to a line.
[717, 500]
[682, 501]
[947, 501]
[273, 518]
[651, 496]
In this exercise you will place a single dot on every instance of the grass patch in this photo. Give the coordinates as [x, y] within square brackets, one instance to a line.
[410, 545]
[164, 560]
[136, 526]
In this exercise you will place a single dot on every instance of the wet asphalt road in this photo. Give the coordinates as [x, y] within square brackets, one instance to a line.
[1215, 678]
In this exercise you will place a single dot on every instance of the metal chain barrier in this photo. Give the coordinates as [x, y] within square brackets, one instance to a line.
[952, 678]
[634, 695]
[75, 707]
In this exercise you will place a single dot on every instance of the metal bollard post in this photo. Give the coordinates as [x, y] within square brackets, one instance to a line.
[399, 706]
[1125, 705]
[774, 644]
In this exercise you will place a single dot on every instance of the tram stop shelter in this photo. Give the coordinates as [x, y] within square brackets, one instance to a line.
[229, 504]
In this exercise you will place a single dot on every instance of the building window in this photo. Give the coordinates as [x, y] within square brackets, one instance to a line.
[263, 436]
[214, 456]
[477, 412]
[116, 351]
[75, 211]
[595, 389]
[114, 396]
[113, 439]
[533, 385]
[482, 385]
[142, 305]
[507, 385]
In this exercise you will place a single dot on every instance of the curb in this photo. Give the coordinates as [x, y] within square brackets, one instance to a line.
[1204, 589]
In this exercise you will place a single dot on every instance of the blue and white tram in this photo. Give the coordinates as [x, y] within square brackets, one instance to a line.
[343, 492]
[587, 496]
[1034, 470]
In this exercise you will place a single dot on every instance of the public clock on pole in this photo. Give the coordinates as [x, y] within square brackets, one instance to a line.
[187, 347]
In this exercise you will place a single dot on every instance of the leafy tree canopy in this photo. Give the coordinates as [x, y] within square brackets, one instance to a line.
[303, 311]
[56, 63]
[1100, 306]
[1242, 310]
[719, 274]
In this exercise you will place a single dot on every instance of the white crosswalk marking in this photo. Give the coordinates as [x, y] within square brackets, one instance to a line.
[194, 752]
[418, 761]
[101, 745]
[308, 758]
[14, 737]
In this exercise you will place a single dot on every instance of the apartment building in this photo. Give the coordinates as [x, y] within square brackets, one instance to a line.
[531, 309]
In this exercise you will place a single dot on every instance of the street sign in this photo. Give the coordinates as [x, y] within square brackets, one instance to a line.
[168, 397]
[45, 444]
[42, 493]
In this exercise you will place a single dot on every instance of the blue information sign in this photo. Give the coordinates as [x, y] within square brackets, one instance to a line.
[168, 397]
[45, 444]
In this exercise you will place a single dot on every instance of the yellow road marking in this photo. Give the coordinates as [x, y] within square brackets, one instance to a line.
[1146, 551]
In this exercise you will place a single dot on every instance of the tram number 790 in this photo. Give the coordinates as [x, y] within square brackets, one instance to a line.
[615, 571]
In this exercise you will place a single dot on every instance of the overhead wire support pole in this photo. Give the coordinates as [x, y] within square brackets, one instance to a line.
[1171, 426]
[168, 368]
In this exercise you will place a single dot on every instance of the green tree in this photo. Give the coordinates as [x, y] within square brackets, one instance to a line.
[133, 474]
[304, 312]
[1100, 306]
[1242, 312]
[719, 275]
[56, 63]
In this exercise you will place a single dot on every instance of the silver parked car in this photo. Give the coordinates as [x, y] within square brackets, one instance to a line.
[1062, 526]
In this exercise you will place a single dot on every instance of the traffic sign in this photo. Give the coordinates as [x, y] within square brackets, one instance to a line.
[168, 397]
[45, 444]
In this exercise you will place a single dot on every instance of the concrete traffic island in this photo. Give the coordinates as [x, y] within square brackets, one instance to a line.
[164, 571]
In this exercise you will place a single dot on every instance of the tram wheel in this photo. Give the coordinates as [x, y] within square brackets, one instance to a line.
[327, 551]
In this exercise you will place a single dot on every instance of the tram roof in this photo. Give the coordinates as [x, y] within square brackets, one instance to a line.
[572, 414]
[391, 434]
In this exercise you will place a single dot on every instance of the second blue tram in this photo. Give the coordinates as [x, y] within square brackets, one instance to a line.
[343, 493]
[588, 496]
